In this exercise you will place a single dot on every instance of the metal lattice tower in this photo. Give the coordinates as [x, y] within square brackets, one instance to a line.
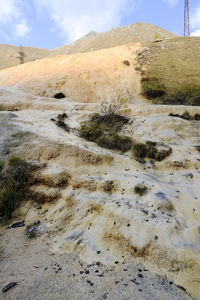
[187, 19]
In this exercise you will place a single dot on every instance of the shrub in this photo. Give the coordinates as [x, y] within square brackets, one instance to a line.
[112, 106]
[62, 117]
[197, 117]
[186, 116]
[123, 143]
[198, 148]
[111, 121]
[152, 88]
[91, 131]
[139, 150]
[13, 181]
[103, 129]
[140, 189]
[59, 95]
[106, 141]
[149, 150]
[126, 63]
[63, 125]
[188, 94]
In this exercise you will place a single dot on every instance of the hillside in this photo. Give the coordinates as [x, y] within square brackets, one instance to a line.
[176, 65]
[8, 55]
[134, 33]
[82, 77]
[92, 41]
[98, 205]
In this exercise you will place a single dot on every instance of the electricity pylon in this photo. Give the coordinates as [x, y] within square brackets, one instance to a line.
[186, 19]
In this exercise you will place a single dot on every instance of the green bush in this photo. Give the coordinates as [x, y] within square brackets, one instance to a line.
[152, 88]
[140, 189]
[106, 141]
[91, 131]
[188, 94]
[186, 116]
[139, 150]
[13, 181]
[123, 143]
[103, 129]
[62, 117]
[149, 150]
[198, 148]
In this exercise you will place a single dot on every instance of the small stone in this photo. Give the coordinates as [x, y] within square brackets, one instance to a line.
[87, 272]
[9, 286]
[155, 237]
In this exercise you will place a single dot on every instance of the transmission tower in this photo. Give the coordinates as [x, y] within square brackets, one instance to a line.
[22, 55]
[186, 19]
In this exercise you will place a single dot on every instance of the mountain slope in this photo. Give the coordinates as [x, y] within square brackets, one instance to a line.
[139, 32]
[8, 55]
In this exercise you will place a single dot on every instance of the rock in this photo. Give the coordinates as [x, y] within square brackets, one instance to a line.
[17, 224]
[31, 231]
[9, 286]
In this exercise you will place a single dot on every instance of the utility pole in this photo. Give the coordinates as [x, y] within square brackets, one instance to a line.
[22, 55]
[186, 19]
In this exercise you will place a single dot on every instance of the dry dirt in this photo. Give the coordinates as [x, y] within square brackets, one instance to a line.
[83, 224]
[81, 77]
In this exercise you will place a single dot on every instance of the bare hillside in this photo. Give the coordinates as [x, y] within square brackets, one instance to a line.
[81, 77]
[139, 32]
[134, 33]
[8, 55]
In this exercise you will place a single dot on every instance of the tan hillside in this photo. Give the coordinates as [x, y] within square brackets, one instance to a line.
[81, 77]
[108, 205]
[92, 41]
[8, 55]
[175, 62]
[134, 33]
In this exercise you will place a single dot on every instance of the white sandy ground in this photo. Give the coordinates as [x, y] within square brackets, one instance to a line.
[97, 225]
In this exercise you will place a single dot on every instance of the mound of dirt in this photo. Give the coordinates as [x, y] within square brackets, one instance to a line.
[81, 77]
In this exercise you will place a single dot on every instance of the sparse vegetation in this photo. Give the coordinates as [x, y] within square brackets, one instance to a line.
[62, 117]
[186, 116]
[151, 87]
[63, 125]
[140, 189]
[103, 129]
[2, 107]
[198, 148]
[126, 63]
[149, 150]
[13, 182]
[115, 106]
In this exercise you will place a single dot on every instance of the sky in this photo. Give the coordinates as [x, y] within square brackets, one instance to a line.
[54, 23]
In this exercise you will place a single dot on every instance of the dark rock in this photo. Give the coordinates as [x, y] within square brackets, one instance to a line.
[17, 224]
[60, 95]
[9, 286]
[31, 231]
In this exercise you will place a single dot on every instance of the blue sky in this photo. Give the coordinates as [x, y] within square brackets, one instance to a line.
[53, 23]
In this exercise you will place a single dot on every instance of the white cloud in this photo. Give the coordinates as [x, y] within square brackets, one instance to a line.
[22, 29]
[12, 20]
[75, 18]
[9, 10]
[195, 22]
